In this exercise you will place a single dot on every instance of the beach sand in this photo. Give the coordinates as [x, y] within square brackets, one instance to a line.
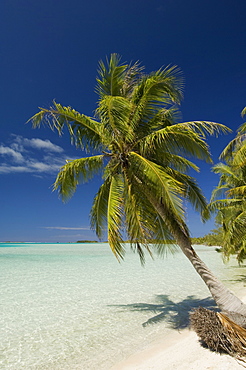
[179, 351]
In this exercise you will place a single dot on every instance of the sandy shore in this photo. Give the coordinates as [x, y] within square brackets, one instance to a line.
[179, 351]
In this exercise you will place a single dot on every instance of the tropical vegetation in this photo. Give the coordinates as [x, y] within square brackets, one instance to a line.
[229, 197]
[213, 238]
[142, 151]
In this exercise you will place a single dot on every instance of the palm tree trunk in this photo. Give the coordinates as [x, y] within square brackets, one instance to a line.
[223, 297]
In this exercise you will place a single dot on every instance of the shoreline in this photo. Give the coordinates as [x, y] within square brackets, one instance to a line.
[180, 350]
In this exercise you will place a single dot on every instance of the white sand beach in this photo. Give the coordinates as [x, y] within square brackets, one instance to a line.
[182, 351]
[179, 351]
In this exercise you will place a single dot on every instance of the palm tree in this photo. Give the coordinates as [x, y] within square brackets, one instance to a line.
[236, 149]
[141, 151]
[229, 197]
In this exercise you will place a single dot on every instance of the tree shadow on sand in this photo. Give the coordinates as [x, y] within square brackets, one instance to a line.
[175, 314]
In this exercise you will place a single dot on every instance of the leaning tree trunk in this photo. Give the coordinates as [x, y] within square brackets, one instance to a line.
[223, 297]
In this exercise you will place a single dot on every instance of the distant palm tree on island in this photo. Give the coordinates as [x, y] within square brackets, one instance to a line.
[143, 159]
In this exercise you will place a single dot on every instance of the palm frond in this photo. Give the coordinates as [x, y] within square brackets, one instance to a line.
[242, 130]
[234, 238]
[233, 146]
[115, 216]
[228, 150]
[239, 156]
[111, 76]
[219, 192]
[138, 228]
[243, 113]
[158, 181]
[162, 118]
[222, 204]
[145, 227]
[133, 74]
[76, 172]
[163, 85]
[114, 112]
[223, 169]
[239, 223]
[164, 241]
[154, 92]
[99, 210]
[84, 131]
[176, 139]
[238, 191]
[205, 128]
[192, 193]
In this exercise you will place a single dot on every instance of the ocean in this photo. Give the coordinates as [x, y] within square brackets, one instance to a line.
[73, 306]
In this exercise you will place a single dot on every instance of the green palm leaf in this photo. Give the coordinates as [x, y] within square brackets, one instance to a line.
[107, 213]
[243, 113]
[238, 191]
[219, 192]
[115, 216]
[137, 220]
[76, 172]
[224, 169]
[176, 139]
[84, 131]
[140, 213]
[99, 210]
[192, 193]
[156, 91]
[239, 156]
[114, 112]
[111, 77]
[204, 128]
[224, 204]
[173, 161]
[163, 117]
[158, 182]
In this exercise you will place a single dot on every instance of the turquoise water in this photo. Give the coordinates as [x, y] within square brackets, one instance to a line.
[73, 306]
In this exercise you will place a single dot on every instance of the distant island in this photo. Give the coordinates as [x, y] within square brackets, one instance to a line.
[214, 238]
[87, 241]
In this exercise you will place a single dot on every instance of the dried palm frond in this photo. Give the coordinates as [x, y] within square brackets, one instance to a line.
[219, 332]
[236, 335]
[238, 318]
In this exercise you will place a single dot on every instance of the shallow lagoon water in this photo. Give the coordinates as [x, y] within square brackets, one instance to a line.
[73, 306]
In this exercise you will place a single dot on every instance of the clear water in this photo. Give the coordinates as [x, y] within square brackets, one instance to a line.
[73, 306]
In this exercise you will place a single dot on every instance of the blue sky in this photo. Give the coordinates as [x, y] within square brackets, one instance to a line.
[50, 50]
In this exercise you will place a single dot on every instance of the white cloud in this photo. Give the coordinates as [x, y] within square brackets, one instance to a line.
[33, 156]
[43, 167]
[46, 145]
[13, 169]
[16, 156]
[31, 167]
